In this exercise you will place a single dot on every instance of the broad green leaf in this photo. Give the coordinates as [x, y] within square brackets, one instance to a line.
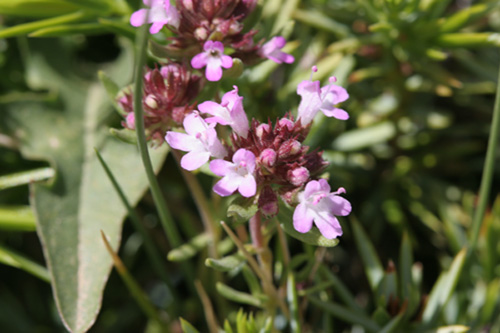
[81, 202]
[17, 218]
[14, 259]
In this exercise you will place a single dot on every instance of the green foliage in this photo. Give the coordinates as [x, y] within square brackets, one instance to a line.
[420, 255]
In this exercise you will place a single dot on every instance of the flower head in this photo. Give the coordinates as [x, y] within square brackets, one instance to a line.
[168, 92]
[229, 112]
[213, 58]
[160, 14]
[200, 142]
[318, 205]
[237, 175]
[324, 99]
[272, 50]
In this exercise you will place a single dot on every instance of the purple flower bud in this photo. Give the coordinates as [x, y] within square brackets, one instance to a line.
[268, 201]
[262, 130]
[130, 120]
[298, 176]
[272, 50]
[285, 122]
[150, 101]
[268, 157]
[289, 148]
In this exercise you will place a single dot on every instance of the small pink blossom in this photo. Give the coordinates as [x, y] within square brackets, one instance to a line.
[213, 58]
[315, 98]
[317, 204]
[160, 13]
[237, 175]
[272, 50]
[200, 142]
[229, 112]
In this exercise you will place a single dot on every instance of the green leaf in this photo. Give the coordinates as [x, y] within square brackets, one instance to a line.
[237, 296]
[293, 303]
[464, 17]
[345, 314]
[241, 213]
[71, 212]
[25, 177]
[70, 29]
[371, 262]
[36, 8]
[187, 327]
[14, 259]
[443, 288]
[17, 218]
[468, 39]
[124, 134]
[26, 28]
[226, 264]
[190, 248]
[313, 237]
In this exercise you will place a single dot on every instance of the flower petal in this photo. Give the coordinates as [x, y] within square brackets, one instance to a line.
[139, 17]
[156, 27]
[226, 61]
[226, 186]
[329, 228]
[248, 186]
[336, 113]
[199, 60]
[194, 123]
[221, 167]
[194, 159]
[338, 205]
[181, 141]
[302, 221]
[213, 71]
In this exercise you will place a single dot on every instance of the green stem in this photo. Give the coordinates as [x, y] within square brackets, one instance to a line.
[202, 204]
[167, 222]
[489, 167]
[151, 250]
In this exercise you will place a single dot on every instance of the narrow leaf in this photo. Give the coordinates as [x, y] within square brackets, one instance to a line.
[293, 303]
[443, 288]
[17, 218]
[26, 28]
[237, 296]
[373, 267]
[14, 259]
[226, 264]
[25, 177]
[189, 249]
[187, 327]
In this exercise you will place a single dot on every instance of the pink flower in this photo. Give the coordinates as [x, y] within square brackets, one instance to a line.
[238, 175]
[323, 99]
[214, 58]
[160, 13]
[317, 204]
[272, 50]
[229, 112]
[200, 141]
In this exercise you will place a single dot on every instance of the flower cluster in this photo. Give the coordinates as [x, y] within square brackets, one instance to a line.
[168, 92]
[204, 28]
[263, 161]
